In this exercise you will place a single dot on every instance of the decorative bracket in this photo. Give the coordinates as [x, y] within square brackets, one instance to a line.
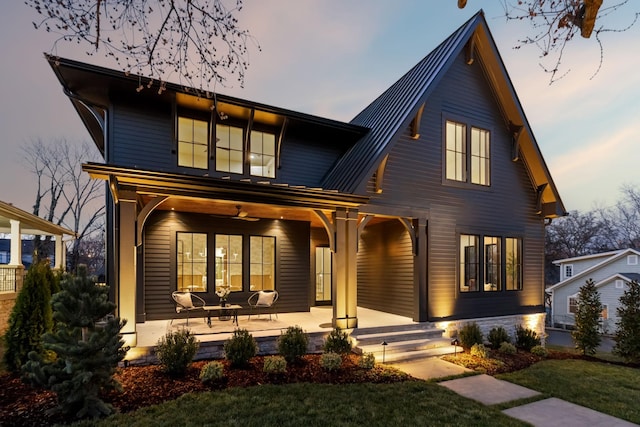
[516, 131]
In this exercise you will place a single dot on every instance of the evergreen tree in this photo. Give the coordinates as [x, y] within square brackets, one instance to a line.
[586, 336]
[627, 335]
[87, 345]
[30, 317]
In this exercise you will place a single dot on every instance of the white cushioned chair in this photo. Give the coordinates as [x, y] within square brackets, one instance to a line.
[186, 301]
[263, 300]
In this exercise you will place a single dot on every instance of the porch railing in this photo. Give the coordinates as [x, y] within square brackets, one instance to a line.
[11, 278]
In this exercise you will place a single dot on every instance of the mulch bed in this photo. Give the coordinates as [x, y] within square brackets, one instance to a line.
[22, 405]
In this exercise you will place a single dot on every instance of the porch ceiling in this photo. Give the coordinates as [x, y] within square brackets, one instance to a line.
[226, 208]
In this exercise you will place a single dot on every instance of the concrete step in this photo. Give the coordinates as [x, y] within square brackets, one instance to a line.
[405, 346]
[367, 338]
[412, 355]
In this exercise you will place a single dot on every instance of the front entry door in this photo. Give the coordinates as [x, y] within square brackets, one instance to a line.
[323, 276]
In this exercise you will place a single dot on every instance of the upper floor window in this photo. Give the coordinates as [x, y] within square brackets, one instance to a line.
[567, 271]
[229, 149]
[632, 259]
[262, 154]
[193, 143]
[467, 154]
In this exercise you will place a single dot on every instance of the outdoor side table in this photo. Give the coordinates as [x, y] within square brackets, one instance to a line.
[228, 310]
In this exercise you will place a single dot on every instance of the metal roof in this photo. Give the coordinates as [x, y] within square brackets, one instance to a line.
[393, 110]
[391, 113]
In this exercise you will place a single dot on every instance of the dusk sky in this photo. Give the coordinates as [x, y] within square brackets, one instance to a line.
[331, 58]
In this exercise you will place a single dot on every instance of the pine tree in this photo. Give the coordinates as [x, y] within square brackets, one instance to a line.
[586, 336]
[627, 335]
[30, 317]
[87, 345]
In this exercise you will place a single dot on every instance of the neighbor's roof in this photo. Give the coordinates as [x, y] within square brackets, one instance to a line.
[29, 223]
[586, 257]
[393, 111]
[613, 256]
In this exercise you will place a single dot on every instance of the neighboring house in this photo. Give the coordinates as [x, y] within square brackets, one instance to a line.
[611, 271]
[27, 251]
[16, 252]
[429, 204]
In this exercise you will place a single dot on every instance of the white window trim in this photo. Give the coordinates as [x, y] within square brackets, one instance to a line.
[569, 304]
[619, 284]
[564, 271]
[632, 259]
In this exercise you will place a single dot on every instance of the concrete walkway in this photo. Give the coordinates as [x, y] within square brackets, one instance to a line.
[491, 391]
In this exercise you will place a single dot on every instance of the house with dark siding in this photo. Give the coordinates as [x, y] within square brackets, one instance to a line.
[430, 204]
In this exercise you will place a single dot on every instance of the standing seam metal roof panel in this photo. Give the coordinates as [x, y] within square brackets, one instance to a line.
[391, 110]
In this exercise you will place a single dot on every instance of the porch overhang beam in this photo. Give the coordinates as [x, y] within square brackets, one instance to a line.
[164, 184]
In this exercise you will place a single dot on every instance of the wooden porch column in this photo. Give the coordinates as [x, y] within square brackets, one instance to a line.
[126, 265]
[61, 261]
[345, 269]
[16, 243]
[420, 260]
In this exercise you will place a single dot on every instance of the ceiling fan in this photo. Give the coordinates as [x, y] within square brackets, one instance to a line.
[243, 215]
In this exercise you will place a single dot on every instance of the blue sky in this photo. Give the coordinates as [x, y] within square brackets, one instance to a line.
[333, 57]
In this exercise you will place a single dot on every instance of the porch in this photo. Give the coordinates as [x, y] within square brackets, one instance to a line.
[316, 323]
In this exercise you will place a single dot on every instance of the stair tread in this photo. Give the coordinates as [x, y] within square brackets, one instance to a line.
[409, 342]
[409, 355]
[396, 333]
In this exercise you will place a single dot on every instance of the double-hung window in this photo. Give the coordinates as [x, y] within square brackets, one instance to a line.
[467, 154]
[262, 154]
[229, 149]
[193, 143]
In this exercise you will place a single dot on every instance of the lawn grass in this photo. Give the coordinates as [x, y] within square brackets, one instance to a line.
[611, 389]
[410, 403]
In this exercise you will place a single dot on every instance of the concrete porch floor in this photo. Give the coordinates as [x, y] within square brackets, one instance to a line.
[316, 320]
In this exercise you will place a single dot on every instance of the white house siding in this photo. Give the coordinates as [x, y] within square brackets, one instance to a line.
[561, 294]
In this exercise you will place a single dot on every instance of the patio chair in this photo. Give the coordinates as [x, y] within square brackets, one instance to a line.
[186, 301]
[262, 300]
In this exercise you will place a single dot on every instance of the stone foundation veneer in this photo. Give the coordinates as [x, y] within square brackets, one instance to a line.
[530, 321]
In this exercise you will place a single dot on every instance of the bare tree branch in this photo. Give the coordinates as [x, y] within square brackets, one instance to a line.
[200, 41]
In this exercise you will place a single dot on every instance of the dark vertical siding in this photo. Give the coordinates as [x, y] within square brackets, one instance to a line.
[507, 208]
[292, 260]
[385, 268]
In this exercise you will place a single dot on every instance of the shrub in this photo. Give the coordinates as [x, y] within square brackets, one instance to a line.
[367, 361]
[539, 350]
[526, 339]
[497, 336]
[331, 361]
[274, 365]
[507, 348]
[586, 336]
[479, 350]
[292, 344]
[469, 335]
[337, 342]
[627, 335]
[240, 348]
[87, 347]
[212, 371]
[30, 318]
[176, 350]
